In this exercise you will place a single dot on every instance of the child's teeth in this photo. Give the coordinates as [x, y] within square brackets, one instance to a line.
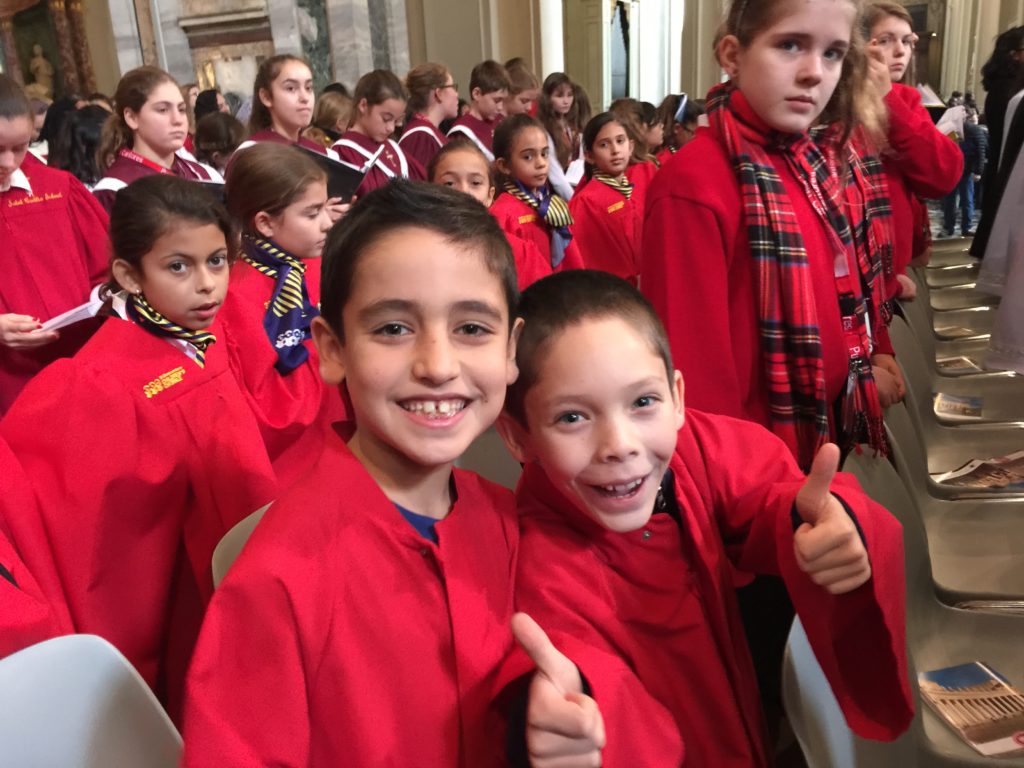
[435, 407]
[428, 407]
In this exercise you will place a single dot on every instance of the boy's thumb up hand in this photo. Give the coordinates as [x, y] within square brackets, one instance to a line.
[827, 545]
[564, 727]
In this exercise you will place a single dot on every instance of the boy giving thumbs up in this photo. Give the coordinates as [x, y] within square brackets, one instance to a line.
[632, 512]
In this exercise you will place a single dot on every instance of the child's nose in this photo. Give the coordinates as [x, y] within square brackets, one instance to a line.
[811, 68]
[436, 361]
[619, 440]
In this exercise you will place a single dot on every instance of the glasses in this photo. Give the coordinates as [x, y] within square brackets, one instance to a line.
[888, 41]
[449, 85]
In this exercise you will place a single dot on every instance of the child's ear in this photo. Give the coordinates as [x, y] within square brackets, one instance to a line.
[513, 340]
[490, 196]
[363, 106]
[515, 436]
[475, 94]
[265, 98]
[330, 350]
[501, 166]
[126, 276]
[677, 399]
[729, 55]
[588, 156]
[263, 223]
[131, 119]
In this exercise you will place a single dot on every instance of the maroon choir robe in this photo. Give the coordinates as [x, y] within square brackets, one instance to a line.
[607, 227]
[341, 636]
[294, 410]
[145, 462]
[125, 170]
[275, 137]
[358, 149]
[55, 249]
[27, 615]
[521, 220]
[650, 616]
[421, 140]
[480, 132]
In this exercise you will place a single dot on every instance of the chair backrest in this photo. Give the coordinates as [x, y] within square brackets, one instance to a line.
[908, 449]
[76, 701]
[811, 707]
[917, 372]
[231, 545]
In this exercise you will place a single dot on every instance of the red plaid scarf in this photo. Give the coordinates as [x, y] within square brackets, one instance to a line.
[854, 205]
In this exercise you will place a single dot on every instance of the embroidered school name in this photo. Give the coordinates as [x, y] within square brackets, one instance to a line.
[164, 381]
[35, 199]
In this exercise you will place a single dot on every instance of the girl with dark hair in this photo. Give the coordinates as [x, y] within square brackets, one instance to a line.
[77, 147]
[282, 103]
[678, 114]
[153, 453]
[278, 197]
[607, 219]
[378, 105]
[563, 110]
[146, 134]
[218, 135]
[54, 251]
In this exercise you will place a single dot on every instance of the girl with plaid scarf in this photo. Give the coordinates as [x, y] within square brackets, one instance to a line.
[764, 248]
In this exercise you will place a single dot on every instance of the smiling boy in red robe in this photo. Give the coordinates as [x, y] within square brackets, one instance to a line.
[631, 512]
[367, 621]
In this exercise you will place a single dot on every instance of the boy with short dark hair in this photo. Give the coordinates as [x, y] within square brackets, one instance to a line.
[488, 88]
[631, 512]
[366, 622]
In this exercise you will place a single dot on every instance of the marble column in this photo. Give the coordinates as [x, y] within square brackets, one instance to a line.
[173, 49]
[552, 37]
[81, 46]
[700, 69]
[126, 35]
[68, 67]
[11, 64]
[351, 43]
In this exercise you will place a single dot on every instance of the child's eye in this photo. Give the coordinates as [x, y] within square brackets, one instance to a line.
[790, 46]
[218, 261]
[392, 329]
[645, 401]
[835, 54]
[571, 417]
[544, 153]
[177, 267]
[474, 329]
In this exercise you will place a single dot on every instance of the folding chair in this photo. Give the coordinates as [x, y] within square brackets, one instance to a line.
[230, 546]
[76, 702]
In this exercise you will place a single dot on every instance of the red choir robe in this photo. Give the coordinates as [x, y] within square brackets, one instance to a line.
[27, 615]
[608, 227]
[519, 219]
[342, 636]
[664, 155]
[531, 264]
[294, 411]
[919, 163]
[357, 149]
[147, 461]
[650, 616]
[125, 170]
[421, 140]
[55, 249]
[480, 132]
[641, 175]
[697, 271]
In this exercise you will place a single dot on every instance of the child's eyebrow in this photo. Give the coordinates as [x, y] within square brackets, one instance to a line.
[479, 308]
[384, 306]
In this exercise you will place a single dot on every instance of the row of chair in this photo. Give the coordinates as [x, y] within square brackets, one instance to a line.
[964, 549]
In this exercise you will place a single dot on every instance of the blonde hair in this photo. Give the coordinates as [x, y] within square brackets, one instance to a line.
[332, 109]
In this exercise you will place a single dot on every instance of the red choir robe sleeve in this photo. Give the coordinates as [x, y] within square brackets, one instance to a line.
[91, 226]
[607, 227]
[930, 162]
[684, 270]
[531, 264]
[859, 638]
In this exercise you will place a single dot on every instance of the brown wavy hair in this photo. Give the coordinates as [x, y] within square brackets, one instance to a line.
[133, 91]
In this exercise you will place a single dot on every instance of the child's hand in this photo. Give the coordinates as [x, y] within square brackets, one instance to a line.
[336, 209]
[827, 545]
[892, 388]
[878, 70]
[24, 332]
[908, 288]
[563, 726]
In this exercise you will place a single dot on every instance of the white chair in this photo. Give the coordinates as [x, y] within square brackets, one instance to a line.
[937, 636]
[76, 702]
[229, 547]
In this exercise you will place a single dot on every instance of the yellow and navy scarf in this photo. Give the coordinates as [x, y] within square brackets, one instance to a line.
[622, 185]
[142, 314]
[555, 213]
[289, 312]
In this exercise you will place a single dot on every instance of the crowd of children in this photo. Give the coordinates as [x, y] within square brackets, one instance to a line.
[526, 264]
